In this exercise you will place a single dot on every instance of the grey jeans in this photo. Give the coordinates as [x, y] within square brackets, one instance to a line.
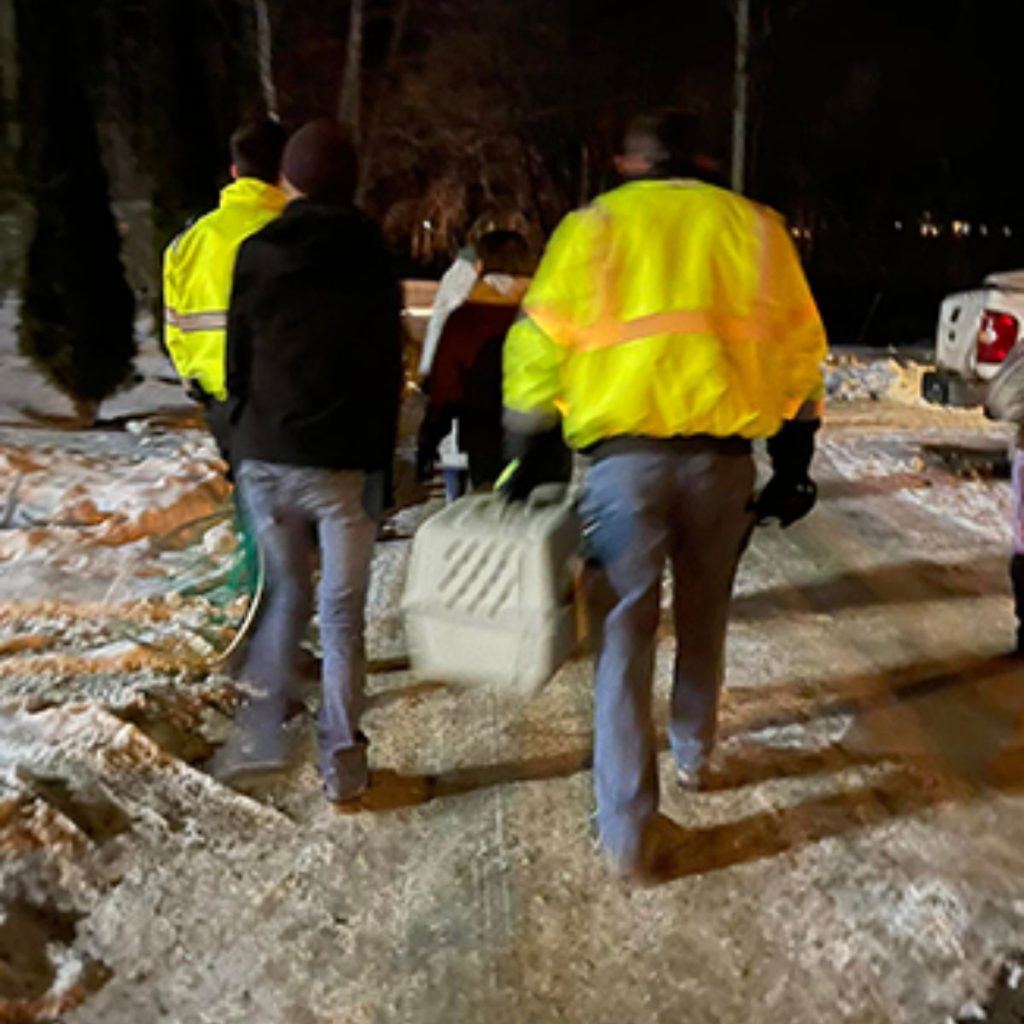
[641, 509]
[284, 505]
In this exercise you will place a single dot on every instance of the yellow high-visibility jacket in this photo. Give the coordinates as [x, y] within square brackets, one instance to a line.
[665, 308]
[198, 267]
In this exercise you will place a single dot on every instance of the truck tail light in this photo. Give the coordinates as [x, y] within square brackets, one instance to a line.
[997, 334]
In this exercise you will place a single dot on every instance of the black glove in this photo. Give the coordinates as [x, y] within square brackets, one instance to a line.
[432, 430]
[516, 486]
[195, 391]
[542, 459]
[426, 456]
[786, 501]
[790, 493]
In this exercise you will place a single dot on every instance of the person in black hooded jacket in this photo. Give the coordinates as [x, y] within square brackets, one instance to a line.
[314, 375]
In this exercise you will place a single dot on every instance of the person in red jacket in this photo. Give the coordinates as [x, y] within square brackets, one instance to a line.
[464, 384]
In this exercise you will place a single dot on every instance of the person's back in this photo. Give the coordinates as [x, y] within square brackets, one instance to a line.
[199, 263]
[479, 423]
[318, 307]
[465, 381]
[455, 285]
[683, 266]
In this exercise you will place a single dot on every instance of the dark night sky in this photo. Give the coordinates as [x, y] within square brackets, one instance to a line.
[920, 100]
[915, 98]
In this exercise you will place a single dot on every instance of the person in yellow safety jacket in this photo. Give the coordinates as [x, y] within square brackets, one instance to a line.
[199, 263]
[669, 324]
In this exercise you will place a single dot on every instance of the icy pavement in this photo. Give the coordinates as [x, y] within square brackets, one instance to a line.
[859, 857]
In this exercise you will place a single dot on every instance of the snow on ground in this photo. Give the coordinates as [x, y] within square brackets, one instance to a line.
[858, 858]
[26, 397]
[113, 556]
[851, 375]
[116, 545]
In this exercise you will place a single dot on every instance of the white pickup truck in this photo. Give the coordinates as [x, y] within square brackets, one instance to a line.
[977, 331]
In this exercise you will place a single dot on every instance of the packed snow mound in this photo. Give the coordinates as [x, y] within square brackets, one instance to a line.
[854, 378]
[106, 500]
[116, 563]
[114, 518]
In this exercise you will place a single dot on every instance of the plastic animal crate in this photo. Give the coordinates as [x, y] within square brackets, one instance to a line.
[489, 597]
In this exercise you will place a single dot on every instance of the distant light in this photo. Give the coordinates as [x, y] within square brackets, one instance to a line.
[983, 230]
[1007, 231]
[927, 228]
[427, 226]
[961, 228]
[898, 225]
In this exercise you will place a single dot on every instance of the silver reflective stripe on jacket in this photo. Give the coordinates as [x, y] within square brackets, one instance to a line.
[189, 323]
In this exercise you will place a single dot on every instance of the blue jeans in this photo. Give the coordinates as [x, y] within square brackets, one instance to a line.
[689, 507]
[285, 504]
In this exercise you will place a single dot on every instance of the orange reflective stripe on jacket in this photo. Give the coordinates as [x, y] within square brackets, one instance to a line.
[610, 332]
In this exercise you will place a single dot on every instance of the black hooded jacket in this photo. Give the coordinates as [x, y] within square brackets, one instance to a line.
[314, 351]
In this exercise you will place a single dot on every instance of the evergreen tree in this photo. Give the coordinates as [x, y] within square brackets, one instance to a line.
[77, 309]
[185, 74]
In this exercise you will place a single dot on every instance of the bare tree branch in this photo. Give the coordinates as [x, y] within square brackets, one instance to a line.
[264, 46]
[370, 140]
[741, 89]
[351, 99]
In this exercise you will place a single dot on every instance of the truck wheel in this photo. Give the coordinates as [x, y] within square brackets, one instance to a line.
[935, 388]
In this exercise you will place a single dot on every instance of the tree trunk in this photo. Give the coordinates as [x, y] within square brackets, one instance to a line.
[8, 85]
[351, 99]
[86, 412]
[370, 138]
[584, 192]
[265, 55]
[741, 90]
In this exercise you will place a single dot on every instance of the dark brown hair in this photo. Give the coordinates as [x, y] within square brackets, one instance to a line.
[256, 149]
[503, 252]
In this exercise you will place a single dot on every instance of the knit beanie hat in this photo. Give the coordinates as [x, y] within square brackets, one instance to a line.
[320, 161]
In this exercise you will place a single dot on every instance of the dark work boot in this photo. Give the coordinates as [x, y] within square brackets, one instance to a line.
[1017, 579]
[345, 772]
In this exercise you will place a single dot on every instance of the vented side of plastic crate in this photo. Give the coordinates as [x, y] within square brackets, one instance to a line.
[486, 598]
[516, 659]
